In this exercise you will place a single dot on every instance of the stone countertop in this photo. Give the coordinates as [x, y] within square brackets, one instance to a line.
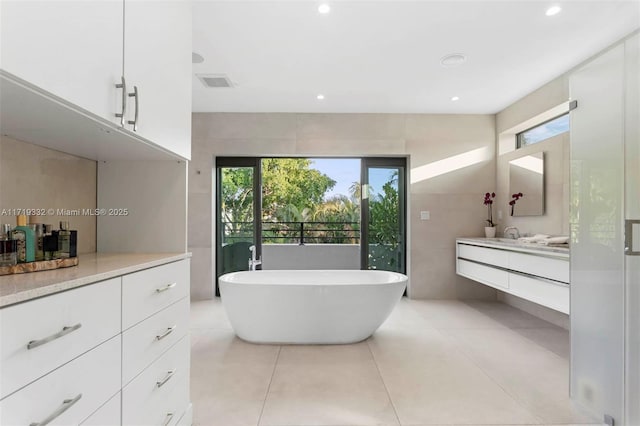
[515, 245]
[92, 267]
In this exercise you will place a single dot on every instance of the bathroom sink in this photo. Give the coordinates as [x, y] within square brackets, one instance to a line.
[502, 240]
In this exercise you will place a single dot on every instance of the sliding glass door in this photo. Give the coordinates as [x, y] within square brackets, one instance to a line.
[383, 242]
[238, 213]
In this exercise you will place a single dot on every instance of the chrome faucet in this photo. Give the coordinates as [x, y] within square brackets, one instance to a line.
[514, 235]
[253, 262]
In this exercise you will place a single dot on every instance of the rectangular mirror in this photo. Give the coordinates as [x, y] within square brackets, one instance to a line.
[526, 176]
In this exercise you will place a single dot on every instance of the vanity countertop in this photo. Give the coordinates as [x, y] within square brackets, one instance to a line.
[515, 245]
[92, 267]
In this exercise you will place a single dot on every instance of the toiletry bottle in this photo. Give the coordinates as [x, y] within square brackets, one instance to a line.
[50, 242]
[38, 230]
[8, 256]
[25, 240]
[67, 241]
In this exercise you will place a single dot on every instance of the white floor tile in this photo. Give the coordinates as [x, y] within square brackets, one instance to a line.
[431, 363]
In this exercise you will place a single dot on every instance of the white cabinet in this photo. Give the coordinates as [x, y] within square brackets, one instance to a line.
[157, 63]
[69, 394]
[107, 415]
[159, 395]
[72, 49]
[146, 292]
[539, 276]
[41, 335]
[67, 359]
[78, 51]
[145, 342]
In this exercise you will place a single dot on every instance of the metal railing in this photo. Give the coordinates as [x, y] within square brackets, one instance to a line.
[295, 232]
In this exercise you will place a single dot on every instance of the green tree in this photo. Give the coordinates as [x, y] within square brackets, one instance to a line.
[291, 182]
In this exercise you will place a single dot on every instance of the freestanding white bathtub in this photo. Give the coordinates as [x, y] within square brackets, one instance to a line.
[309, 307]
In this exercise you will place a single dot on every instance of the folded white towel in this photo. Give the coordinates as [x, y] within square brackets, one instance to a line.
[563, 239]
[536, 238]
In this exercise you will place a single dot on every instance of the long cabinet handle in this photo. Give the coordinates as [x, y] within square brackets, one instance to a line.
[66, 404]
[122, 85]
[169, 375]
[166, 287]
[167, 419]
[166, 333]
[136, 96]
[65, 330]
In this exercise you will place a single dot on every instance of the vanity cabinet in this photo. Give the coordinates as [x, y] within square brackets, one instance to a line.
[79, 51]
[540, 275]
[74, 357]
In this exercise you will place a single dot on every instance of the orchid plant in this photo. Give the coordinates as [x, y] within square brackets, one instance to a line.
[515, 197]
[488, 201]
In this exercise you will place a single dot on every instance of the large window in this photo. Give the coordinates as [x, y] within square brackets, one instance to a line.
[543, 131]
[278, 204]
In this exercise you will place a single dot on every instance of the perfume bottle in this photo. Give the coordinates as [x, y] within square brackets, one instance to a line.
[50, 242]
[25, 240]
[67, 241]
[8, 255]
[38, 230]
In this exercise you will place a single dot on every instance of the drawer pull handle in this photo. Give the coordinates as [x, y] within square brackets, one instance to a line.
[65, 330]
[166, 287]
[166, 378]
[167, 419]
[166, 333]
[66, 404]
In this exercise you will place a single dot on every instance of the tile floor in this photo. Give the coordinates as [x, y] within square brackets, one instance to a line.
[431, 363]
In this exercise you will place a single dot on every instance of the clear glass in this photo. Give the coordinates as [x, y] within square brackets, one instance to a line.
[8, 255]
[596, 220]
[385, 227]
[544, 131]
[632, 212]
[236, 218]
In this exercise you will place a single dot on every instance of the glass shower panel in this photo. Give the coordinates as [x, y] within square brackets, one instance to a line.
[632, 213]
[597, 256]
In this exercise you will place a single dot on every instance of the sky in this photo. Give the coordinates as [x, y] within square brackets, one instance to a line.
[344, 171]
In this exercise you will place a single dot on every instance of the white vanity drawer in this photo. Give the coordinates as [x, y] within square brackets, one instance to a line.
[158, 396]
[484, 255]
[107, 415]
[60, 327]
[82, 386]
[146, 292]
[484, 274]
[555, 269]
[149, 339]
[554, 296]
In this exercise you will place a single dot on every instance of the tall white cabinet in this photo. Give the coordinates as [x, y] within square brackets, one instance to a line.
[605, 266]
[62, 65]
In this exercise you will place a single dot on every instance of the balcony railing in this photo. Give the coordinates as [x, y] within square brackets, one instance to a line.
[295, 232]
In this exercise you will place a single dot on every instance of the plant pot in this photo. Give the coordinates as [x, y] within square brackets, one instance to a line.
[490, 231]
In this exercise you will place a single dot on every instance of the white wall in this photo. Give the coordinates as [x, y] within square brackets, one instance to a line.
[35, 177]
[310, 256]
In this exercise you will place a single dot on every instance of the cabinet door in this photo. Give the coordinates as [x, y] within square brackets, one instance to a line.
[157, 61]
[72, 49]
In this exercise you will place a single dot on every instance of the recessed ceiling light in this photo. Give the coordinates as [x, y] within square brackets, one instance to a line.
[324, 8]
[196, 58]
[455, 98]
[553, 10]
[320, 97]
[453, 60]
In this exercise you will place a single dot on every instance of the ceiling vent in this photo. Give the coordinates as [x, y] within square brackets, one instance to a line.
[215, 81]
